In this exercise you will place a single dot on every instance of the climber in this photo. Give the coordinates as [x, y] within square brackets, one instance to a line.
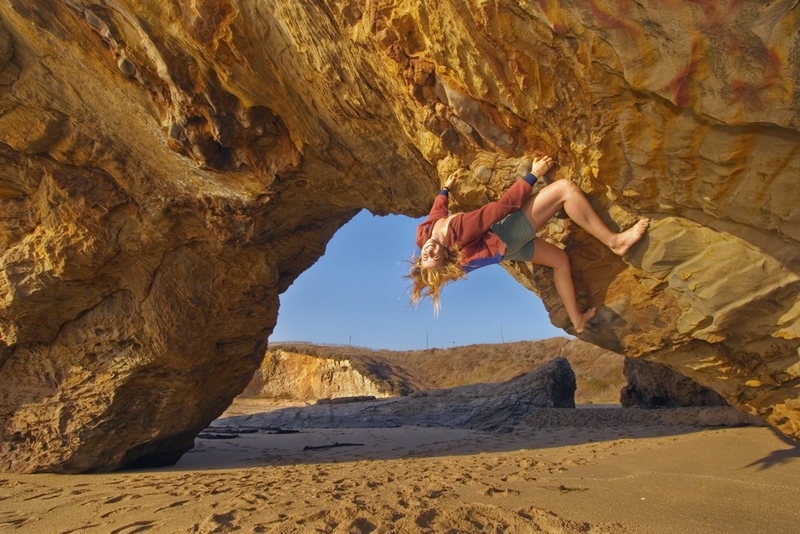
[454, 244]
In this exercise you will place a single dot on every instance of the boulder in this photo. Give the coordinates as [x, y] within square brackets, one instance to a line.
[167, 169]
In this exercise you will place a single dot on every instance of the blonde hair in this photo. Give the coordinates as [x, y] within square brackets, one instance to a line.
[429, 281]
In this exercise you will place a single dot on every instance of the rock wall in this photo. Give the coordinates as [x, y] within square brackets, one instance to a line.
[290, 375]
[168, 168]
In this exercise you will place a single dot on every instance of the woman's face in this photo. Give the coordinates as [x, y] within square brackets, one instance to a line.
[432, 254]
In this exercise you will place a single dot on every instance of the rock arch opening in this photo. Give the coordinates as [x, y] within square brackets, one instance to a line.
[355, 294]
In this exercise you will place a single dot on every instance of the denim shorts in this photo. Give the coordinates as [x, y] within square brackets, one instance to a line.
[517, 233]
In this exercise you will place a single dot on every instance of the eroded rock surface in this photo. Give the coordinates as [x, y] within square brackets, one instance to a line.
[168, 168]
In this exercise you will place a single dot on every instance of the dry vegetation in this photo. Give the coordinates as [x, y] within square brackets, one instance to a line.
[598, 371]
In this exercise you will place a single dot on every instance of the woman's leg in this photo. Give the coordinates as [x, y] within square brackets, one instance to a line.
[565, 194]
[551, 256]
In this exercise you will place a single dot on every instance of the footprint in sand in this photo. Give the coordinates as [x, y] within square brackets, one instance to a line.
[45, 495]
[137, 526]
[14, 521]
[426, 518]
[362, 525]
[492, 491]
[173, 505]
[212, 523]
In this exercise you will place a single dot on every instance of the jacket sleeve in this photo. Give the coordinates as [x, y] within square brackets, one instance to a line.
[476, 223]
[438, 210]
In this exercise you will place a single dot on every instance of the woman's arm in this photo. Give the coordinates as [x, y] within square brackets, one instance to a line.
[476, 223]
[438, 210]
[442, 201]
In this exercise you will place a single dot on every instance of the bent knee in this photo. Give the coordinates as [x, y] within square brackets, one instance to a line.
[560, 259]
[550, 256]
[568, 187]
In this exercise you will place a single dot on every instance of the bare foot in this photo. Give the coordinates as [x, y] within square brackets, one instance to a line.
[625, 240]
[586, 316]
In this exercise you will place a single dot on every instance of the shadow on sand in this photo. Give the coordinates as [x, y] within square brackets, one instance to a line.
[349, 440]
[780, 456]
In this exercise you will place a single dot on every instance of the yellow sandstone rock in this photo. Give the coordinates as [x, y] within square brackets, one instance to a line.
[168, 168]
[291, 375]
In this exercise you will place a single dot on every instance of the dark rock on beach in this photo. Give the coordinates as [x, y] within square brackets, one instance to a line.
[494, 407]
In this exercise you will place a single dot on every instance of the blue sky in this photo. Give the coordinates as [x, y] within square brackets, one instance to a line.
[356, 294]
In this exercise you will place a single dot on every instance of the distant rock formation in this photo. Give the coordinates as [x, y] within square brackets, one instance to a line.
[491, 407]
[652, 385]
[167, 169]
[304, 371]
[290, 375]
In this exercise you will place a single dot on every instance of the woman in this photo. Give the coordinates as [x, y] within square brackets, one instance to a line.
[455, 244]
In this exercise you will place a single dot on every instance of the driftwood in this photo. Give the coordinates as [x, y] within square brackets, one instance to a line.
[232, 429]
[232, 432]
[345, 400]
[210, 435]
[337, 444]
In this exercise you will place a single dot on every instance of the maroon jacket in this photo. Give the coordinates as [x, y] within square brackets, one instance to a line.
[471, 231]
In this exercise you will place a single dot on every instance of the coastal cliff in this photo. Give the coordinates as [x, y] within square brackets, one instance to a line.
[167, 169]
[286, 374]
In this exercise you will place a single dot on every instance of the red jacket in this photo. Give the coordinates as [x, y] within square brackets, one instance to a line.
[472, 230]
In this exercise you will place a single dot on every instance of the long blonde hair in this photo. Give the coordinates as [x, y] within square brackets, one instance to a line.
[429, 281]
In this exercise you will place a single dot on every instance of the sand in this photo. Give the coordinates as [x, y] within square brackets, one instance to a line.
[618, 476]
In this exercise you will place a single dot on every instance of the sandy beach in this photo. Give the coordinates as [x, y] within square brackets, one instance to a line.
[669, 476]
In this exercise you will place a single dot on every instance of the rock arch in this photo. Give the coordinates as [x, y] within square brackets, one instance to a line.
[168, 168]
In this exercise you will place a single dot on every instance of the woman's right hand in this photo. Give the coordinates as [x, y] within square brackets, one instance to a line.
[540, 165]
[451, 180]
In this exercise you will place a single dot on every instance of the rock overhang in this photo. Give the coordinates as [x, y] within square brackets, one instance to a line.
[169, 169]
